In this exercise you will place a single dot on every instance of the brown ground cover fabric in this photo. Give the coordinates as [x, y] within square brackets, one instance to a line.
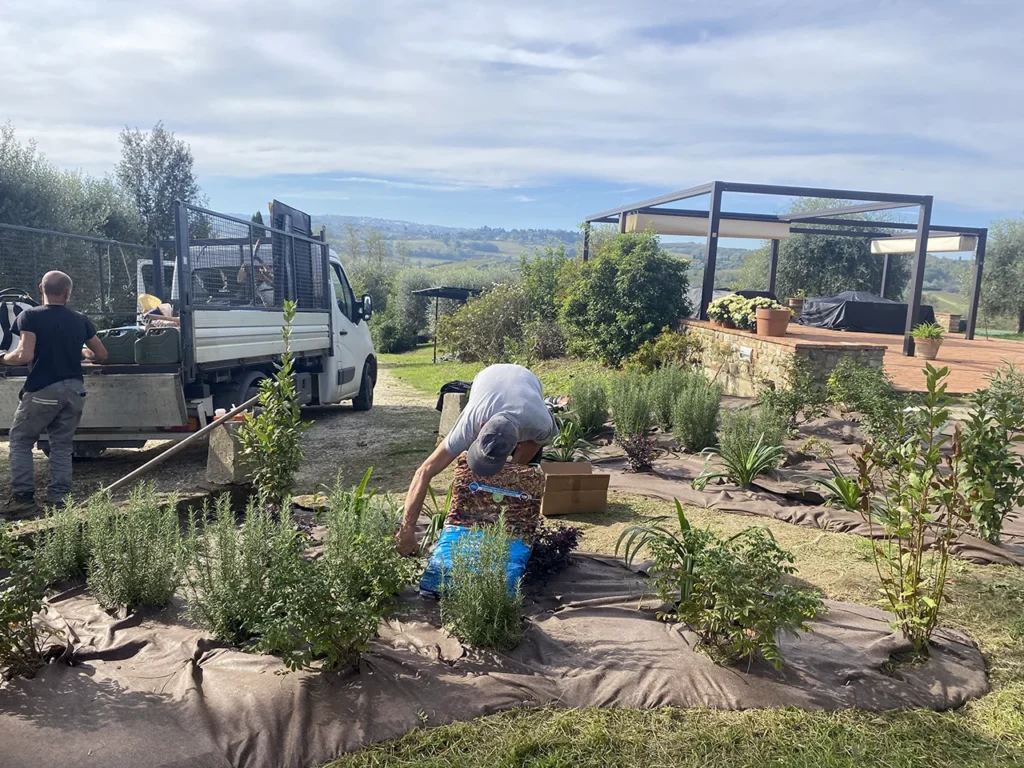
[149, 690]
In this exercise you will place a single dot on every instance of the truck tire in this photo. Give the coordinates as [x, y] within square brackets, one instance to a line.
[248, 387]
[364, 400]
[79, 449]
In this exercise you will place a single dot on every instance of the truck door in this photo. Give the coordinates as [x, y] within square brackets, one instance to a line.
[349, 368]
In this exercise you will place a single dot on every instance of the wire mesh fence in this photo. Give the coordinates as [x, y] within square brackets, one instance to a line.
[235, 264]
[107, 275]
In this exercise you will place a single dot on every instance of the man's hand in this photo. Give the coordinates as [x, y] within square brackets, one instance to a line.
[405, 541]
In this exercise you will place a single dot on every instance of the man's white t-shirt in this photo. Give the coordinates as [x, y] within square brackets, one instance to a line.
[512, 391]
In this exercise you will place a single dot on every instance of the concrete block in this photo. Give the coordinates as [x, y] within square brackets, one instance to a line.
[224, 463]
[454, 403]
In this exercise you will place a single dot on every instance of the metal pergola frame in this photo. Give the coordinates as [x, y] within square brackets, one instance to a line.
[439, 292]
[869, 201]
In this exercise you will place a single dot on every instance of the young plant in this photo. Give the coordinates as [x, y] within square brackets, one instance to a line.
[741, 468]
[478, 605]
[842, 491]
[23, 633]
[749, 445]
[853, 387]
[568, 444]
[550, 554]
[271, 439]
[666, 384]
[62, 551]
[134, 551]
[729, 592]
[588, 403]
[993, 468]
[632, 412]
[915, 499]
[798, 398]
[928, 331]
[695, 413]
[438, 515]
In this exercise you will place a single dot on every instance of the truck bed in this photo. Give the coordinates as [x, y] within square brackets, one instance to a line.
[238, 334]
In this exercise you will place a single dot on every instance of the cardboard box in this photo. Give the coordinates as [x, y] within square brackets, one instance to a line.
[573, 488]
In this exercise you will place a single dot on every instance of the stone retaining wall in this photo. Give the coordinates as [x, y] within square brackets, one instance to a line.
[744, 362]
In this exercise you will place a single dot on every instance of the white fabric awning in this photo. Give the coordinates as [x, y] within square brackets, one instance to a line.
[698, 225]
[936, 244]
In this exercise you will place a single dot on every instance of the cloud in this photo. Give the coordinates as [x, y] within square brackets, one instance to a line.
[455, 95]
[523, 199]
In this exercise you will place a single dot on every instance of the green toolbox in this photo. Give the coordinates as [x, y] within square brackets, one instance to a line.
[158, 346]
[120, 344]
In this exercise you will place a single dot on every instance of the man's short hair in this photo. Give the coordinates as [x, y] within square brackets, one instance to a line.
[56, 284]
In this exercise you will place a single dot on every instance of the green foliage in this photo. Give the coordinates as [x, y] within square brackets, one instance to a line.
[665, 385]
[993, 468]
[1002, 290]
[389, 336]
[133, 551]
[271, 440]
[155, 171]
[917, 504]
[234, 575]
[799, 397]
[741, 468]
[588, 402]
[569, 444]
[842, 491]
[62, 550]
[695, 413]
[729, 592]
[865, 390]
[438, 514]
[23, 635]
[477, 605]
[622, 298]
[487, 328]
[631, 404]
[542, 278]
[741, 429]
[928, 331]
[669, 348]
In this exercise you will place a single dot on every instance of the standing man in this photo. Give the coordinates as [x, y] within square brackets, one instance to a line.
[505, 416]
[53, 341]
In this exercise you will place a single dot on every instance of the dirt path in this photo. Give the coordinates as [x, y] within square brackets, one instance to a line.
[392, 437]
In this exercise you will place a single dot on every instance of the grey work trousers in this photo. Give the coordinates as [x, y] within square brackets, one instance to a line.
[55, 410]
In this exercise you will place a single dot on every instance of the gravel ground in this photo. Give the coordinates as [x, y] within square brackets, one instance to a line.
[393, 437]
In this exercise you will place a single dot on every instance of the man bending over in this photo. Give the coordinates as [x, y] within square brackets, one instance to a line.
[505, 416]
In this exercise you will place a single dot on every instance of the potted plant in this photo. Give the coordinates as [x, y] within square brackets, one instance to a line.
[927, 340]
[718, 312]
[772, 318]
[796, 302]
[743, 313]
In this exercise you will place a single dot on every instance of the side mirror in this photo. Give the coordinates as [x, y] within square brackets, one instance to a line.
[366, 306]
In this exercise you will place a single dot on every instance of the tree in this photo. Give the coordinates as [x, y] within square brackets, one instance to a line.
[1002, 289]
[259, 232]
[541, 276]
[623, 296]
[823, 265]
[154, 171]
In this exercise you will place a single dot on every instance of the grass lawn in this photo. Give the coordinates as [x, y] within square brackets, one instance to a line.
[985, 601]
[417, 369]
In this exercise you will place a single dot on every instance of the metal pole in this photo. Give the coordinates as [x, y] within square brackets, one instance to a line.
[708, 290]
[773, 266]
[437, 301]
[979, 264]
[917, 275]
[586, 241]
[178, 447]
[885, 274]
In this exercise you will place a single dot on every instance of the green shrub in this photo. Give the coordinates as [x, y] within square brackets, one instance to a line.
[853, 387]
[749, 445]
[389, 335]
[993, 468]
[633, 416]
[623, 297]
[695, 413]
[666, 384]
[23, 634]
[798, 397]
[234, 575]
[669, 348]
[477, 605]
[729, 592]
[133, 551]
[932, 331]
[842, 491]
[543, 281]
[588, 402]
[914, 498]
[271, 440]
[488, 327]
[568, 444]
[741, 428]
[62, 551]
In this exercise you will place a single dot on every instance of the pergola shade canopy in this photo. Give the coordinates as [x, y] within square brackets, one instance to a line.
[716, 223]
[936, 244]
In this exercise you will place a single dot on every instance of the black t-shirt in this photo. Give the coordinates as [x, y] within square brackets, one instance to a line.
[60, 333]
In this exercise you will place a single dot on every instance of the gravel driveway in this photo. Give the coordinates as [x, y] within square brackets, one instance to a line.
[393, 437]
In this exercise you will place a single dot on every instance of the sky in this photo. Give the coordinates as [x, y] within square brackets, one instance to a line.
[532, 113]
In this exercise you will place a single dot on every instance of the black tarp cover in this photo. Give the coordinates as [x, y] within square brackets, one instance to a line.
[860, 311]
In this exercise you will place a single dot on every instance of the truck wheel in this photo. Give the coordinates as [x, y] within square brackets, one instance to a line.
[364, 400]
[248, 387]
[79, 449]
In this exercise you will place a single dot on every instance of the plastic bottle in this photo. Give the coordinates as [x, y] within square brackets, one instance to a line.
[220, 412]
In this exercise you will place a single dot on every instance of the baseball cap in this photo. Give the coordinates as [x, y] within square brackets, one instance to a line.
[495, 443]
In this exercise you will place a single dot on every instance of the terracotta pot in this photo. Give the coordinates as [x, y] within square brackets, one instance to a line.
[728, 324]
[797, 305]
[717, 323]
[772, 322]
[927, 349]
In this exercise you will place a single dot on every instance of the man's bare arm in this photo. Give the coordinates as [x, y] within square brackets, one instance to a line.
[24, 352]
[94, 350]
[435, 464]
